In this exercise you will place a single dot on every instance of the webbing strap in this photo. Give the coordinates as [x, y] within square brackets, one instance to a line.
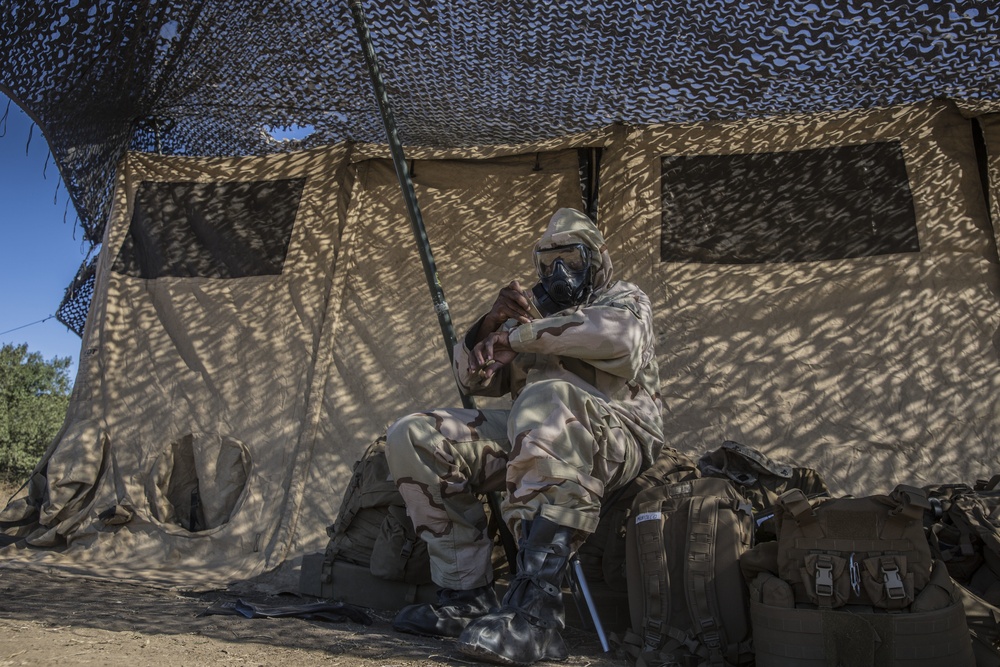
[848, 545]
[640, 656]
[893, 582]
[824, 580]
[655, 579]
[699, 563]
[912, 502]
[795, 503]
[992, 514]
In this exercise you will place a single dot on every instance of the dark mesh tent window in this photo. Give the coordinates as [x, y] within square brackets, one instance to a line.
[210, 230]
[809, 205]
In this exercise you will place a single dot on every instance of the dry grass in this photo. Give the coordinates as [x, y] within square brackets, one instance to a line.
[7, 489]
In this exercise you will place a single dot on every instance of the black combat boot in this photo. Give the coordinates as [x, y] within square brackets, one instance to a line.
[526, 628]
[454, 610]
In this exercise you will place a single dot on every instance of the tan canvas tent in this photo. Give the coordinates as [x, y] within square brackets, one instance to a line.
[257, 321]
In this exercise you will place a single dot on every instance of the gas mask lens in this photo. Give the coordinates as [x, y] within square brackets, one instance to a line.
[575, 258]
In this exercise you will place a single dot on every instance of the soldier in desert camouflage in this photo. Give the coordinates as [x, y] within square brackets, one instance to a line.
[576, 355]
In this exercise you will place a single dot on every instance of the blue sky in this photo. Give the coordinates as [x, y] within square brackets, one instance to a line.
[41, 255]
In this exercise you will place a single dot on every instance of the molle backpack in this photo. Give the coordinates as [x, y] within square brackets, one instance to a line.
[372, 528]
[602, 556]
[687, 598]
[852, 581]
[761, 480]
[964, 534]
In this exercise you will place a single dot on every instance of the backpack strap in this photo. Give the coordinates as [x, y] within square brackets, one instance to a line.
[659, 640]
[988, 485]
[796, 505]
[655, 578]
[638, 654]
[911, 502]
[699, 575]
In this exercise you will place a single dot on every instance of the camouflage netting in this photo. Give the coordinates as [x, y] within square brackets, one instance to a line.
[218, 77]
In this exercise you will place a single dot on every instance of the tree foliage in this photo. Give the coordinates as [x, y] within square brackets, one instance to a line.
[34, 395]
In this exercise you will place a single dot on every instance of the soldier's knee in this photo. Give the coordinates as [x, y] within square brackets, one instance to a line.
[546, 392]
[540, 401]
[402, 435]
[553, 387]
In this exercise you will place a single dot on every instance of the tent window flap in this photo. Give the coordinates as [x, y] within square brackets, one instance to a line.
[209, 230]
[795, 206]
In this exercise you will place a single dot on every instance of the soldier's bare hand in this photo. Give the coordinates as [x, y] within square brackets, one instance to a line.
[491, 354]
[511, 303]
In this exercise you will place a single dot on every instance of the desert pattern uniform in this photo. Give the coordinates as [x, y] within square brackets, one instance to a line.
[585, 419]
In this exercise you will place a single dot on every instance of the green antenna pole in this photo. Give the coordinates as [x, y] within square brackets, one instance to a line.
[406, 184]
[423, 244]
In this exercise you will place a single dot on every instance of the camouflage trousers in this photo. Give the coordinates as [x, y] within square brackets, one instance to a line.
[555, 453]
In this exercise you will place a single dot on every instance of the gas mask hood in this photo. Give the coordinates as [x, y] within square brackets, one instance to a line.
[571, 260]
[564, 277]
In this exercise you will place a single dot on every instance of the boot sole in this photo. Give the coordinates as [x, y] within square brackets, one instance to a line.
[420, 632]
[486, 655]
[483, 654]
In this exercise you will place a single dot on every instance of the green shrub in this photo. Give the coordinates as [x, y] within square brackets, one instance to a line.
[34, 395]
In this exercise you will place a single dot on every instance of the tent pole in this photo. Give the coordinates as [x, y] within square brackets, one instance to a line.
[406, 185]
[423, 244]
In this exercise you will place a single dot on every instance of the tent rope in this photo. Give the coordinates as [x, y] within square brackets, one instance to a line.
[25, 326]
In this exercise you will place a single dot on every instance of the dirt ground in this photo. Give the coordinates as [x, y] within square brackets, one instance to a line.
[52, 619]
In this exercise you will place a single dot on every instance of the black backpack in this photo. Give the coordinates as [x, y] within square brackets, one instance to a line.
[761, 480]
[602, 556]
[687, 598]
[963, 530]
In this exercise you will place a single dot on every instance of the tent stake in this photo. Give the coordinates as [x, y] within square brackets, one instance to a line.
[423, 244]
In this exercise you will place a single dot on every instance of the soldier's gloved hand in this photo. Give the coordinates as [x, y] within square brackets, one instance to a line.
[511, 303]
[491, 354]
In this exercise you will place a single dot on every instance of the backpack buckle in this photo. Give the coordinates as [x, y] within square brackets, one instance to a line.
[894, 587]
[407, 549]
[824, 577]
[712, 640]
[653, 635]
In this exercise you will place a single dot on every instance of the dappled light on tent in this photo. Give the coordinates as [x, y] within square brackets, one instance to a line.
[210, 375]
[64, 488]
[874, 370]
[852, 329]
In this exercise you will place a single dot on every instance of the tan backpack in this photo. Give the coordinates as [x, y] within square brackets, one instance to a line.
[868, 551]
[374, 558]
[852, 581]
[602, 556]
[372, 528]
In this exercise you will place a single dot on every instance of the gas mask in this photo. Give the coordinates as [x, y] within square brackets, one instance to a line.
[564, 273]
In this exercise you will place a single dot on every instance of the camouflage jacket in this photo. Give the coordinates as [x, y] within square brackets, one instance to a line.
[605, 347]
